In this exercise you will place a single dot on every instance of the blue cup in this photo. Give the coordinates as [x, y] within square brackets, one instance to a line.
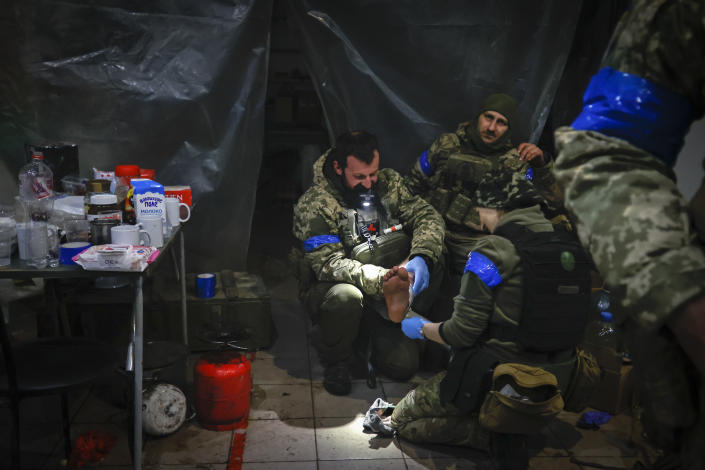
[205, 285]
[68, 250]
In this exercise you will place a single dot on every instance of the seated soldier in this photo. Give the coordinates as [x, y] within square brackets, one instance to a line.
[500, 315]
[447, 175]
[340, 221]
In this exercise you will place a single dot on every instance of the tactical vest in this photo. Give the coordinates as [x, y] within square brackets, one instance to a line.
[452, 198]
[556, 289]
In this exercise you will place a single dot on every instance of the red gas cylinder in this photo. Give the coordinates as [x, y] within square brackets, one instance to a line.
[222, 384]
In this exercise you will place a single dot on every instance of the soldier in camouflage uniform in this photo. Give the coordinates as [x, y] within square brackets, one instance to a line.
[488, 305]
[339, 291]
[615, 164]
[448, 173]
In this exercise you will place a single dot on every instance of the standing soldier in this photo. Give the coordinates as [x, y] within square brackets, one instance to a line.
[615, 163]
[341, 222]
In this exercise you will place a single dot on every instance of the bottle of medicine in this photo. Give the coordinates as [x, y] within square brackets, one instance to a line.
[104, 206]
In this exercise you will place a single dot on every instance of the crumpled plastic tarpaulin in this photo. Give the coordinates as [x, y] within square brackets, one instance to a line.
[177, 86]
[410, 70]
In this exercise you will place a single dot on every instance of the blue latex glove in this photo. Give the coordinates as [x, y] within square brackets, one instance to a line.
[418, 266]
[412, 327]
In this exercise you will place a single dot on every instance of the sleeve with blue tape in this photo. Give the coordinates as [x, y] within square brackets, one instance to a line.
[631, 108]
[484, 268]
[424, 164]
[318, 240]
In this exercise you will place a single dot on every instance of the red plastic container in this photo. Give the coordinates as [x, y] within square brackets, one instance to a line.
[222, 383]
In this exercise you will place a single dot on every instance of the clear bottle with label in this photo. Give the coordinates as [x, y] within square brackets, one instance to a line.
[36, 179]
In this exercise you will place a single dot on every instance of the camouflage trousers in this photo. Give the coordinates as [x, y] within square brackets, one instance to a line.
[344, 321]
[421, 417]
[632, 218]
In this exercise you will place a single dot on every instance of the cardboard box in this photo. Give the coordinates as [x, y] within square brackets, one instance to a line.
[615, 391]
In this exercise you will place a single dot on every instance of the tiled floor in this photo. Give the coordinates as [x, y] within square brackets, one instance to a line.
[294, 424]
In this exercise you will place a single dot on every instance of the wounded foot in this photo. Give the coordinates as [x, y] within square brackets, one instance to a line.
[396, 293]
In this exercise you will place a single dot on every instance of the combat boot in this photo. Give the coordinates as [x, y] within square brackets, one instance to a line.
[336, 378]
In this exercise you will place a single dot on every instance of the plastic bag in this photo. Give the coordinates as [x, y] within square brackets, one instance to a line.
[116, 257]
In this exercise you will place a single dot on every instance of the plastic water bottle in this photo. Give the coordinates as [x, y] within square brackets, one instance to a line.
[36, 201]
[36, 179]
[607, 335]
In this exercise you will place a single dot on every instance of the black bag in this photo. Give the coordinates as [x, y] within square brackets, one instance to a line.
[557, 287]
[468, 379]
[387, 250]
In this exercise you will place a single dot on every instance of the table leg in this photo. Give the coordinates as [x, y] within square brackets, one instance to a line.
[184, 313]
[138, 345]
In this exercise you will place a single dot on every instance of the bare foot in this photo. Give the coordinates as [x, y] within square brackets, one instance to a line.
[396, 292]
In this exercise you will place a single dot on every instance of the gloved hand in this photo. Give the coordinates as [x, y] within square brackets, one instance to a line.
[417, 265]
[412, 327]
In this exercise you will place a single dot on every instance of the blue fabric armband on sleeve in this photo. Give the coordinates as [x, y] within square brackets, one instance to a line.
[318, 240]
[424, 164]
[484, 268]
[629, 107]
[529, 175]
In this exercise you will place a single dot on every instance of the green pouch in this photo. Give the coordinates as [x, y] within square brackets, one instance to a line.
[458, 209]
[468, 168]
[440, 199]
[583, 381]
[523, 400]
[388, 250]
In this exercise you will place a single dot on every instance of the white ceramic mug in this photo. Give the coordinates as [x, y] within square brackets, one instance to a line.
[173, 211]
[130, 235]
[154, 227]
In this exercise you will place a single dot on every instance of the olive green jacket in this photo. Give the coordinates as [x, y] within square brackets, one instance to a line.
[479, 309]
[327, 247]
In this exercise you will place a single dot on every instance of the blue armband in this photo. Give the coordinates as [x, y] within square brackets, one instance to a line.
[484, 268]
[529, 175]
[318, 240]
[424, 164]
[629, 107]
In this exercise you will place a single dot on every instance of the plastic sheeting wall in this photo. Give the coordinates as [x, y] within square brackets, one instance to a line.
[410, 70]
[177, 86]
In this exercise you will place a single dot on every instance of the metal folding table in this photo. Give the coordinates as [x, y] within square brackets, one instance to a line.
[16, 271]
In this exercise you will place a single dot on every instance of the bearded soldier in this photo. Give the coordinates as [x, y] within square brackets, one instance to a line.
[341, 222]
[615, 163]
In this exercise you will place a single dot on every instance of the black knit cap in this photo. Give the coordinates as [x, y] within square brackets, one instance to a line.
[506, 190]
[501, 103]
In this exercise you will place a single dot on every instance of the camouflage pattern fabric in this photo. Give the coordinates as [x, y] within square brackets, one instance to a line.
[421, 417]
[632, 218]
[501, 189]
[458, 143]
[320, 209]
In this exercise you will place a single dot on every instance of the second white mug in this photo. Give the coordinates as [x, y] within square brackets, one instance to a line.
[173, 211]
[130, 235]
[152, 224]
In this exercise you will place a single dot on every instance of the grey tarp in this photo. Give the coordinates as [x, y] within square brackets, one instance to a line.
[177, 86]
[409, 70]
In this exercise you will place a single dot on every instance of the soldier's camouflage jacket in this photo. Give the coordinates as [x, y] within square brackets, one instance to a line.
[327, 246]
[447, 175]
[614, 164]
